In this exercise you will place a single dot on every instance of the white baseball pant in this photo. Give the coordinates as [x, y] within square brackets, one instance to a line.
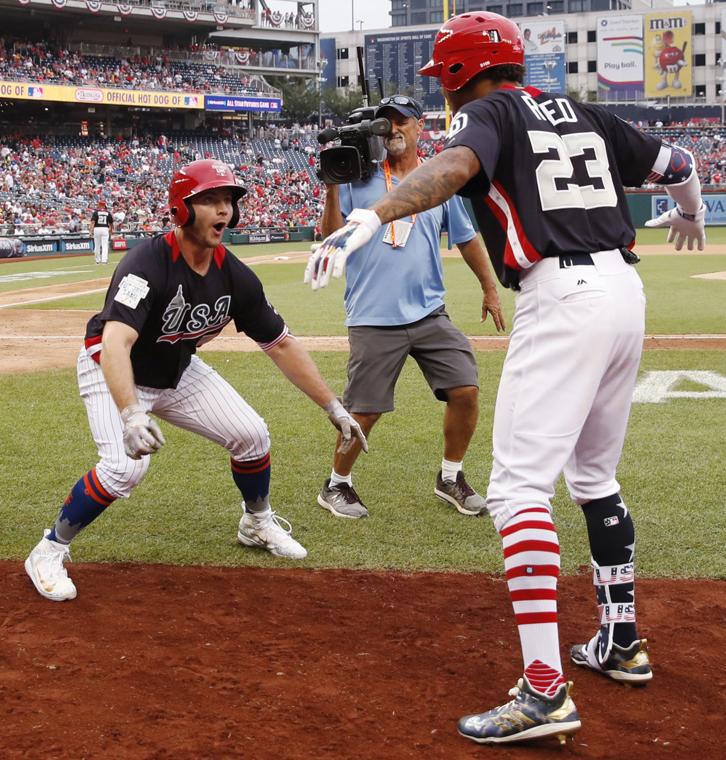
[100, 244]
[567, 383]
[203, 402]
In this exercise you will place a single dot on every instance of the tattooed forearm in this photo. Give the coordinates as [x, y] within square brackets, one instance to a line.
[430, 185]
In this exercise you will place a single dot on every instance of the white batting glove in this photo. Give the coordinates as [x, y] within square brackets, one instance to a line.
[141, 434]
[349, 428]
[329, 259]
[684, 227]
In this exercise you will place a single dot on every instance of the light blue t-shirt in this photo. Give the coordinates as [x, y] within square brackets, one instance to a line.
[397, 286]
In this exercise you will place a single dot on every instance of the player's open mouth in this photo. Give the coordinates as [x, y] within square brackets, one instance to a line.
[219, 227]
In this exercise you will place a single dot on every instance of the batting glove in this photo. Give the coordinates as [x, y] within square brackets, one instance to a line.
[684, 227]
[349, 428]
[330, 257]
[141, 434]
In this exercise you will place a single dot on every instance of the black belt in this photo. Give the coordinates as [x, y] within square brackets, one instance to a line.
[575, 260]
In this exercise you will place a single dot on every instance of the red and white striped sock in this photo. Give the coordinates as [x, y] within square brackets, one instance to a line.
[532, 565]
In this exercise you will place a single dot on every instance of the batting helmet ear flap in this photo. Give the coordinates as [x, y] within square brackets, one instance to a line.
[180, 213]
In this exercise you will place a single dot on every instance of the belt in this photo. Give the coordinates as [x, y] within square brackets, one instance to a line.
[575, 260]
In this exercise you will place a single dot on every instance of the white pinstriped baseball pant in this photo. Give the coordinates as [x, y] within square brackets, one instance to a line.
[567, 384]
[203, 402]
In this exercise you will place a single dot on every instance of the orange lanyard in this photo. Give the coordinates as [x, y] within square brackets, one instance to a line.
[389, 185]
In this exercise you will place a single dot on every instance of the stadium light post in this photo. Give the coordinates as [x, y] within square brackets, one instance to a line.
[322, 63]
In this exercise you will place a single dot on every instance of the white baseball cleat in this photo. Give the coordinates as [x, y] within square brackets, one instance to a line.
[271, 532]
[44, 566]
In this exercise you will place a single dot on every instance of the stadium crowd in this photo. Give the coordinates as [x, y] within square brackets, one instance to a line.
[44, 63]
[53, 184]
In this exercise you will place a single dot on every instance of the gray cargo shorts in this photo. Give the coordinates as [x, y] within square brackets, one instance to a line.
[377, 356]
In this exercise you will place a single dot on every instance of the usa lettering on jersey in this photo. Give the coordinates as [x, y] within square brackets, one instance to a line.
[182, 321]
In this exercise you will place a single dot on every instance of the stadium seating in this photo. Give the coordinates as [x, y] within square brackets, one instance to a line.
[53, 184]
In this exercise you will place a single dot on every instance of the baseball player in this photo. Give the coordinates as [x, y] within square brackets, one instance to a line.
[167, 296]
[545, 175]
[394, 303]
[101, 226]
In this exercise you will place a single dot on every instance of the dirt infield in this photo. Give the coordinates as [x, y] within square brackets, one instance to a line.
[187, 662]
[38, 340]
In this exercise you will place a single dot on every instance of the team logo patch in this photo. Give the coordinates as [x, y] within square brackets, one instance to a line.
[610, 521]
[457, 125]
[131, 290]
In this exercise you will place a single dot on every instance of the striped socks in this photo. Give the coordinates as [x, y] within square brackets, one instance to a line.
[532, 565]
[87, 499]
[253, 480]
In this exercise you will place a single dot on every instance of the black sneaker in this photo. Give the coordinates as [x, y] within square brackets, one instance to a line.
[342, 501]
[630, 665]
[460, 495]
[530, 715]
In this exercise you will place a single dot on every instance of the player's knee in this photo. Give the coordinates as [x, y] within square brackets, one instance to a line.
[119, 476]
[251, 442]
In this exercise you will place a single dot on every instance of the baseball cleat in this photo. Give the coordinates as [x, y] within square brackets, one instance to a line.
[630, 665]
[271, 532]
[44, 566]
[342, 501]
[530, 715]
[460, 495]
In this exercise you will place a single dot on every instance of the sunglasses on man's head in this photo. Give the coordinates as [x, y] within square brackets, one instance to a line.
[401, 100]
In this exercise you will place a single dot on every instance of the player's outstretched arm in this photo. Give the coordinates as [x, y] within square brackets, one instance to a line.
[675, 169]
[298, 367]
[430, 185]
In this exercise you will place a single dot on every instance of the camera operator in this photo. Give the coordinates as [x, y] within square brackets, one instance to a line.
[394, 302]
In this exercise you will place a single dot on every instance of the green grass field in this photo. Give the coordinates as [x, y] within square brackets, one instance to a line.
[677, 303]
[186, 510]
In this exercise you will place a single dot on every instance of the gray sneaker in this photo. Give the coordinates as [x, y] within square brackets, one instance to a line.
[460, 495]
[342, 501]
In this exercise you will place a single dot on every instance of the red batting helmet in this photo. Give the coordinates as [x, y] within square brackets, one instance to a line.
[470, 43]
[195, 178]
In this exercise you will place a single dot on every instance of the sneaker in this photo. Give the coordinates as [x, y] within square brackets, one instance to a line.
[530, 715]
[629, 665]
[341, 500]
[272, 532]
[460, 495]
[45, 568]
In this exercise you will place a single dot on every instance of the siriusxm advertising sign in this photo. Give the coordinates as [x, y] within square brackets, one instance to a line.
[243, 103]
[715, 207]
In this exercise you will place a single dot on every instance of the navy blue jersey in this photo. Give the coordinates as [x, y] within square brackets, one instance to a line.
[174, 309]
[552, 175]
[102, 218]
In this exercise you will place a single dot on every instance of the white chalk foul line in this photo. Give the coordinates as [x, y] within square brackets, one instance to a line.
[56, 297]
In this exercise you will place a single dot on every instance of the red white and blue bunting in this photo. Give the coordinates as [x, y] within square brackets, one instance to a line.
[190, 16]
[158, 12]
[220, 16]
[124, 9]
[24, 2]
[93, 5]
[59, 3]
[243, 58]
[307, 20]
[276, 18]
